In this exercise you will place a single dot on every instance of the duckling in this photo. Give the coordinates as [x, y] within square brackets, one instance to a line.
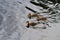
[30, 15]
[31, 24]
[45, 21]
[41, 19]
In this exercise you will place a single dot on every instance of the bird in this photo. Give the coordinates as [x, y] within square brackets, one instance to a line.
[31, 15]
[31, 24]
[44, 19]
[41, 19]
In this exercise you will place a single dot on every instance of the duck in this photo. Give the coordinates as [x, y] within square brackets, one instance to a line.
[31, 24]
[31, 15]
[41, 19]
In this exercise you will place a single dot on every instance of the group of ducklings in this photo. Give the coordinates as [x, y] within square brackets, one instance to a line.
[38, 18]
